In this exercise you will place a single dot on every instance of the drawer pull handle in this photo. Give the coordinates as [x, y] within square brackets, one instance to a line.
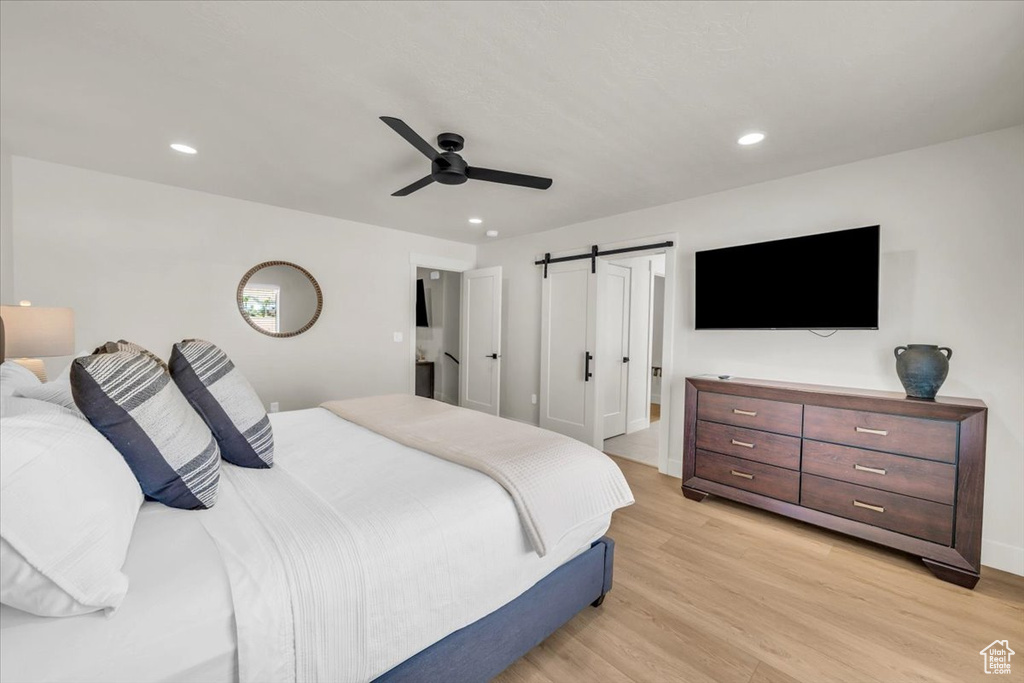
[748, 413]
[865, 430]
[868, 506]
[872, 470]
[741, 443]
[741, 474]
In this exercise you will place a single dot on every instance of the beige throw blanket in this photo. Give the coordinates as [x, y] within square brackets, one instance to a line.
[556, 482]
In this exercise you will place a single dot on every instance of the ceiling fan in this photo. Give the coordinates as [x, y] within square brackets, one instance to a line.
[449, 168]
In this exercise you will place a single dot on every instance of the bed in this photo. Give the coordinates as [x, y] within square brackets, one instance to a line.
[440, 579]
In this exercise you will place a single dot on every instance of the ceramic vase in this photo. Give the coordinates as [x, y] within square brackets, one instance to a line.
[922, 368]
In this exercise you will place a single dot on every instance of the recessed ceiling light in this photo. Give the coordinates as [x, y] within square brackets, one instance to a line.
[476, 221]
[184, 149]
[492, 233]
[751, 139]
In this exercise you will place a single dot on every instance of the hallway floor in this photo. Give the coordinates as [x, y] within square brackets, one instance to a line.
[641, 446]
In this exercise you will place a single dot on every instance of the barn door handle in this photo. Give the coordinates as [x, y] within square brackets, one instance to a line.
[625, 359]
[587, 374]
[492, 355]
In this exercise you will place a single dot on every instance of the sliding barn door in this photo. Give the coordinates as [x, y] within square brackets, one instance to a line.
[480, 362]
[615, 285]
[568, 390]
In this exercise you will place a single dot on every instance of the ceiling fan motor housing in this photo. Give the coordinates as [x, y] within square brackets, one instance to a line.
[451, 142]
[454, 173]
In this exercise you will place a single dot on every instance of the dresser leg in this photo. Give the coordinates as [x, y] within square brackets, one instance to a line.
[951, 574]
[694, 494]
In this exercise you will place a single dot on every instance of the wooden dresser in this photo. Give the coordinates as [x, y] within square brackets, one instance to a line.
[904, 473]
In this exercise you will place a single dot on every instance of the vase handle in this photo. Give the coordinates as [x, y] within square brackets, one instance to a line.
[949, 352]
[896, 351]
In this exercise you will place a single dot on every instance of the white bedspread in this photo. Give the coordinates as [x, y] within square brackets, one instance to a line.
[439, 546]
[556, 482]
[376, 549]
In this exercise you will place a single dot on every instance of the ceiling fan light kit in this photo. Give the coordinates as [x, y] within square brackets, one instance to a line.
[449, 168]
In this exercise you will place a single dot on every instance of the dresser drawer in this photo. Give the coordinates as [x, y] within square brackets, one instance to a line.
[897, 473]
[756, 413]
[748, 475]
[931, 439]
[903, 514]
[766, 447]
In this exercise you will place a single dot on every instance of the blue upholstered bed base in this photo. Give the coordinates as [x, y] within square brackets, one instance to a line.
[489, 645]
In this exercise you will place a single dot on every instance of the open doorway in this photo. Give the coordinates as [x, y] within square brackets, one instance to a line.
[455, 356]
[438, 306]
[632, 295]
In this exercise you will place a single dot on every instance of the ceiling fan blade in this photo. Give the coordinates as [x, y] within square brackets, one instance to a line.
[409, 189]
[403, 129]
[492, 176]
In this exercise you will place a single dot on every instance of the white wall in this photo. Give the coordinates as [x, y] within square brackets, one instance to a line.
[6, 231]
[155, 264]
[952, 273]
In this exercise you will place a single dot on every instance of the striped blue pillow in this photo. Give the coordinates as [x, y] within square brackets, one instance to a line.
[130, 398]
[221, 394]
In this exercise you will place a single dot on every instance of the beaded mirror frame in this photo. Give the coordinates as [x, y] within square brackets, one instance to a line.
[267, 264]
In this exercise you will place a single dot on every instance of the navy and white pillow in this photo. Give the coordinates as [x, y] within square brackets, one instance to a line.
[122, 345]
[130, 398]
[221, 394]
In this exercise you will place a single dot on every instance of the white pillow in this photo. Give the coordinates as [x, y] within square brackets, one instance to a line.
[14, 377]
[12, 406]
[57, 392]
[68, 504]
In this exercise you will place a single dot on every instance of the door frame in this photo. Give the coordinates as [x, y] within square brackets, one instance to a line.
[666, 463]
[437, 263]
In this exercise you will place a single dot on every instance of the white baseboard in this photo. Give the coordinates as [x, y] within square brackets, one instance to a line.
[1002, 556]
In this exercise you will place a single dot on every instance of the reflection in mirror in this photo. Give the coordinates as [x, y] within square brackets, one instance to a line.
[279, 299]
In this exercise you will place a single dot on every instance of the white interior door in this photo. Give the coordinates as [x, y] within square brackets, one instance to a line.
[568, 390]
[615, 285]
[480, 343]
[638, 401]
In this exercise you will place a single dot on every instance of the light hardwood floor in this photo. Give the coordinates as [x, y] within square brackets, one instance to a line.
[715, 591]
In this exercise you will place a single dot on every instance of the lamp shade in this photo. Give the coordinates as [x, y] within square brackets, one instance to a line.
[33, 332]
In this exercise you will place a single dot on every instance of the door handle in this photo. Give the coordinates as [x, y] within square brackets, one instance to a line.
[587, 374]
[625, 359]
[493, 356]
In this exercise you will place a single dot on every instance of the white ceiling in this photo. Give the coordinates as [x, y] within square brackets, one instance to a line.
[624, 104]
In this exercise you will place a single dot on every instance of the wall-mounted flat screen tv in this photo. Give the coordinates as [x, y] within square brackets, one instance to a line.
[821, 282]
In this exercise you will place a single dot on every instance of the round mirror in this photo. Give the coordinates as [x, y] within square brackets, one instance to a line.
[279, 299]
